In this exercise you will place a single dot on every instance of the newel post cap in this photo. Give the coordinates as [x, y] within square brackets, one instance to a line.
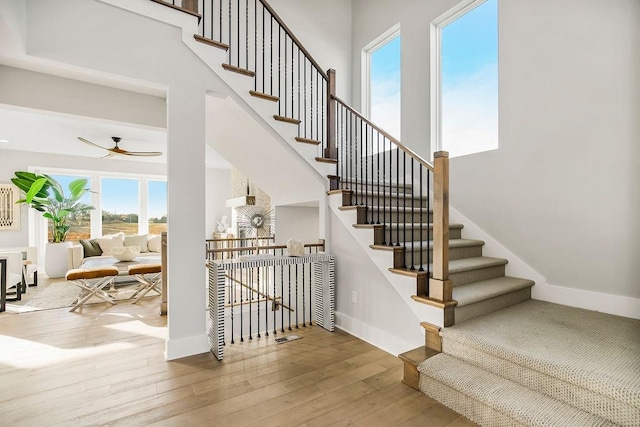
[438, 154]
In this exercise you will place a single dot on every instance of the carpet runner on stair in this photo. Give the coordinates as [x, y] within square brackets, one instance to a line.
[538, 363]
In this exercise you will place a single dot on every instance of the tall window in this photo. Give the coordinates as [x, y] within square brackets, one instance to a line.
[382, 90]
[468, 71]
[120, 201]
[157, 206]
[81, 223]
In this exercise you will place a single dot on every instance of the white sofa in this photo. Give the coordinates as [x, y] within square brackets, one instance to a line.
[77, 257]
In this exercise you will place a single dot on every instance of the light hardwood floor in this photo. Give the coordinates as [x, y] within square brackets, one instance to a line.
[106, 366]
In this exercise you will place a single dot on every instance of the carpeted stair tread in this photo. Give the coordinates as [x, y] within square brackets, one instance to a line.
[415, 226]
[399, 209]
[388, 195]
[486, 289]
[375, 183]
[489, 399]
[587, 359]
[453, 243]
[469, 264]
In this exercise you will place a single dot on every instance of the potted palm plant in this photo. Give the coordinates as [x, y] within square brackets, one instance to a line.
[44, 194]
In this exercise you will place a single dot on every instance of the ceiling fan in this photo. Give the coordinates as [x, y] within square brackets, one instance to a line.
[117, 150]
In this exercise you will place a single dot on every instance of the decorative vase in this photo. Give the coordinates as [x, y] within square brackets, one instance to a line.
[55, 259]
[295, 247]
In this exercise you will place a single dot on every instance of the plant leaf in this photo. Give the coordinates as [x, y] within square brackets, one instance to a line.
[35, 188]
[76, 187]
[47, 215]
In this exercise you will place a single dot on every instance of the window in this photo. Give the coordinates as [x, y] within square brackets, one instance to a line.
[382, 81]
[467, 74]
[80, 224]
[120, 203]
[157, 206]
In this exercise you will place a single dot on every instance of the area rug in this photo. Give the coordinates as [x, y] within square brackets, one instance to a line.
[64, 294]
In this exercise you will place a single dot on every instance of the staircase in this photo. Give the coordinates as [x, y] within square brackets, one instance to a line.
[394, 204]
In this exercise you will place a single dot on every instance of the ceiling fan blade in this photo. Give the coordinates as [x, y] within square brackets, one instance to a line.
[91, 143]
[141, 153]
[111, 155]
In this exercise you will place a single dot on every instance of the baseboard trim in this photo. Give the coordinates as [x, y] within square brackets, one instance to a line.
[595, 301]
[189, 346]
[374, 336]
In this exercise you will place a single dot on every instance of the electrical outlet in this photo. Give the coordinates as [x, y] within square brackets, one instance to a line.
[354, 297]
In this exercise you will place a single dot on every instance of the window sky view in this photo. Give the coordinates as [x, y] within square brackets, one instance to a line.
[385, 86]
[121, 195]
[469, 52]
[469, 78]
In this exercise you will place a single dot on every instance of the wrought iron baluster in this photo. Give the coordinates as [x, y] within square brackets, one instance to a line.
[378, 172]
[233, 304]
[289, 298]
[241, 310]
[422, 220]
[397, 195]
[413, 228]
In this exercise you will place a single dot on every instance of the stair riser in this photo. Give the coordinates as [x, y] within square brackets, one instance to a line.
[386, 216]
[454, 253]
[481, 308]
[394, 201]
[578, 397]
[392, 236]
[476, 275]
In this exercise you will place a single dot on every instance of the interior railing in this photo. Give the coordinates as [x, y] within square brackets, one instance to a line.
[258, 41]
[388, 178]
[267, 298]
[403, 192]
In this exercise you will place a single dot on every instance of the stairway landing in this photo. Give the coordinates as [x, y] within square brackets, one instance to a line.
[583, 361]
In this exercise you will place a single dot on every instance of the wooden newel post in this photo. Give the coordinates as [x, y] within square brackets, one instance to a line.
[331, 152]
[191, 5]
[440, 287]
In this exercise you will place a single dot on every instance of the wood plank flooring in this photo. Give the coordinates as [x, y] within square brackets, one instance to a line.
[106, 366]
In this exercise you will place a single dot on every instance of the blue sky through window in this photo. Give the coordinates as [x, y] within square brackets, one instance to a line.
[384, 99]
[157, 199]
[469, 78]
[119, 196]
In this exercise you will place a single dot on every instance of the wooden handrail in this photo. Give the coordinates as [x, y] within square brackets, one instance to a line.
[259, 248]
[235, 239]
[294, 39]
[409, 151]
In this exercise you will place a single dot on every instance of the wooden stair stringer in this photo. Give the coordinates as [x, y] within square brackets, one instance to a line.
[404, 285]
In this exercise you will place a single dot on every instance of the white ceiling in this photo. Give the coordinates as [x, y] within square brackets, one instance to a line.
[38, 131]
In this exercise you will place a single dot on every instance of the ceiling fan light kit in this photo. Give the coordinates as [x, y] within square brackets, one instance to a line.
[117, 150]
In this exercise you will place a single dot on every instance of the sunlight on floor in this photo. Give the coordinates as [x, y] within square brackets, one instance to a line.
[140, 328]
[29, 354]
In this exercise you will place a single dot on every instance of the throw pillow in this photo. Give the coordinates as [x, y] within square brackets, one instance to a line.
[91, 248]
[108, 243]
[137, 240]
[155, 243]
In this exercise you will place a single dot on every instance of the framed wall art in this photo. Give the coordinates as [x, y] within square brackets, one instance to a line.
[9, 210]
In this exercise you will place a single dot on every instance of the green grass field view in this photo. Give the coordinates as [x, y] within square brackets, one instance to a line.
[78, 232]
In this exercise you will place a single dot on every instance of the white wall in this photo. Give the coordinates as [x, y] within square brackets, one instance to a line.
[24, 88]
[297, 222]
[324, 29]
[562, 190]
[380, 315]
